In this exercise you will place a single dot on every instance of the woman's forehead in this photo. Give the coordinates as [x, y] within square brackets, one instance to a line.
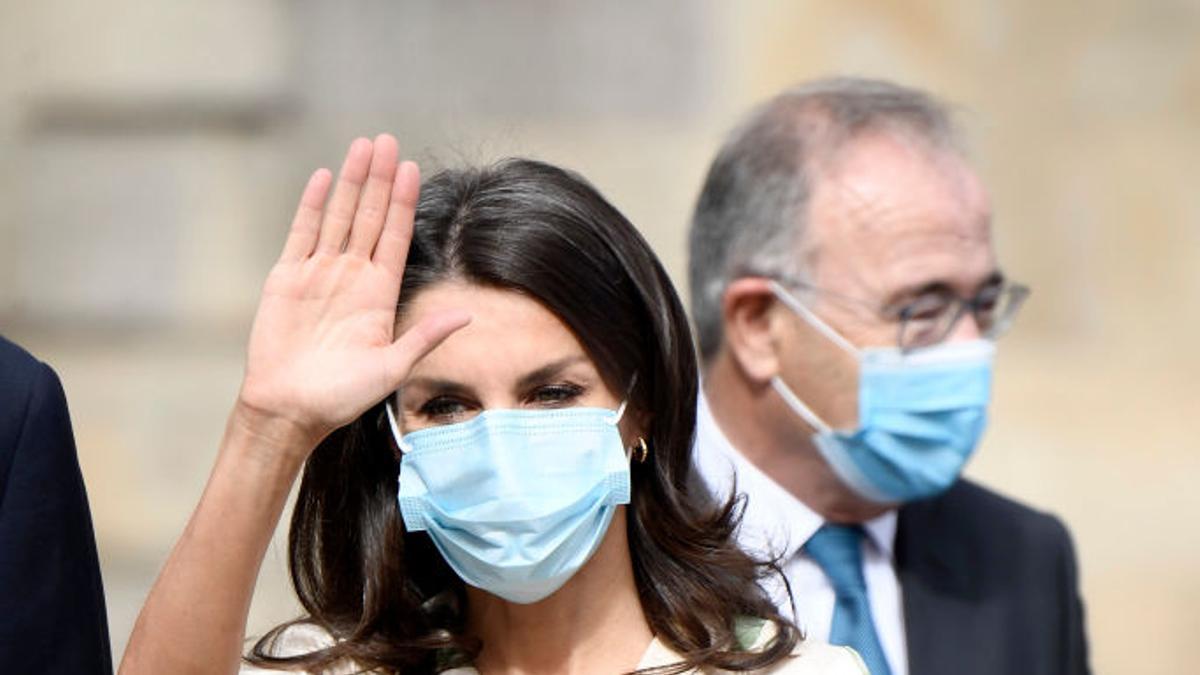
[509, 334]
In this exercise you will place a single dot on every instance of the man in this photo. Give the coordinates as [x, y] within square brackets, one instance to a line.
[52, 617]
[846, 296]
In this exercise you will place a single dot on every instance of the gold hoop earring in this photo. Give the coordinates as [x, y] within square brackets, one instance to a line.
[640, 451]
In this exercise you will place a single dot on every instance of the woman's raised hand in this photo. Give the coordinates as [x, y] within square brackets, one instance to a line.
[323, 349]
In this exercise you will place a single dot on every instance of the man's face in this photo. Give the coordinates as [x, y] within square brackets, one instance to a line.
[890, 222]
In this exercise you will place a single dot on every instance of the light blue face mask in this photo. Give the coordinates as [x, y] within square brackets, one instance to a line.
[516, 501]
[920, 414]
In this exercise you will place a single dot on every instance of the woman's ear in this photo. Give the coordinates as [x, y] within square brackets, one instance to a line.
[635, 424]
[751, 328]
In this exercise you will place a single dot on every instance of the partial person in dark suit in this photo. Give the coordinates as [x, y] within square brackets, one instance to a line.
[52, 616]
[847, 297]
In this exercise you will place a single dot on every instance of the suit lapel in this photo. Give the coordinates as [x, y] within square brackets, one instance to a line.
[945, 630]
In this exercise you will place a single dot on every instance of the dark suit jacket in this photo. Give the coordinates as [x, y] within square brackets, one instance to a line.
[52, 617]
[990, 587]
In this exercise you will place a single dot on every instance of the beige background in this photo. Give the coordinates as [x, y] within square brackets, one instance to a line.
[150, 154]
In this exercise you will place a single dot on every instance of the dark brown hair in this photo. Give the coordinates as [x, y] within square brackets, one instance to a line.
[386, 595]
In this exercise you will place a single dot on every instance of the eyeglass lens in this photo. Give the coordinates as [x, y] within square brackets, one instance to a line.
[930, 319]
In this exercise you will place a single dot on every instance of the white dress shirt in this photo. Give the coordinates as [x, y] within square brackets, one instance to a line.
[776, 524]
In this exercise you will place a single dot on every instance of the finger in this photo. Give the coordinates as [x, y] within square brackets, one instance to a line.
[307, 222]
[418, 341]
[341, 206]
[373, 204]
[392, 248]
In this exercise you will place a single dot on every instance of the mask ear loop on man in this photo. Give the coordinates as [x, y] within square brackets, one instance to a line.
[796, 404]
[823, 328]
[813, 320]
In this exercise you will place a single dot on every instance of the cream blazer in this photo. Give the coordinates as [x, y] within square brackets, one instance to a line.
[809, 657]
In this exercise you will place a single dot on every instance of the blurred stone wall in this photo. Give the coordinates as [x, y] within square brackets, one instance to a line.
[150, 155]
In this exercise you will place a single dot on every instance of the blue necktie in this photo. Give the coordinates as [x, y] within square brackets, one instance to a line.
[838, 550]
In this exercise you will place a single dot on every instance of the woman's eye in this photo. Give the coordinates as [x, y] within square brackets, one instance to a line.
[555, 394]
[443, 407]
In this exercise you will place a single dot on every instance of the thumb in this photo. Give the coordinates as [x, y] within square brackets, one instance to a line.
[418, 341]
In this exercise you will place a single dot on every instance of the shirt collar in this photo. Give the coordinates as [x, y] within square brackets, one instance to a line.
[774, 522]
[881, 530]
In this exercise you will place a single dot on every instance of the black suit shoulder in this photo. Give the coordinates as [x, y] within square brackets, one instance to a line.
[25, 383]
[52, 611]
[990, 522]
[987, 503]
[990, 586]
[19, 375]
[15, 360]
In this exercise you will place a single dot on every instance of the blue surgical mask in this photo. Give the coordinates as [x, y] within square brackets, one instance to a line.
[920, 414]
[516, 501]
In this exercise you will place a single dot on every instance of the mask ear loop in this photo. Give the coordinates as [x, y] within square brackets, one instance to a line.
[620, 412]
[404, 447]
[823, 328]
[808, 315]
[640, 447]
[796, 404]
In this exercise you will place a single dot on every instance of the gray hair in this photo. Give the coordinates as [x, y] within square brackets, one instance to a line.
[752, 210]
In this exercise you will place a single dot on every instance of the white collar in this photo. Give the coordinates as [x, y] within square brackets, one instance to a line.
[774, 521]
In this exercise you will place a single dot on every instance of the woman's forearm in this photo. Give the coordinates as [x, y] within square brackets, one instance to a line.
[194, 619]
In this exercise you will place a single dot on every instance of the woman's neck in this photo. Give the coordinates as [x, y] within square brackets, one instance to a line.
[593, 624]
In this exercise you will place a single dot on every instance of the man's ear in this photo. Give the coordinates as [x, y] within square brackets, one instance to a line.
[750, 327]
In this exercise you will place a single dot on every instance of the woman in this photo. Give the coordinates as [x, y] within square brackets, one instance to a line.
[496, 465]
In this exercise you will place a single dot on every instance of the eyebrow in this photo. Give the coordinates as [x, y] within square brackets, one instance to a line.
[437, 384]
[938, 287]
[548, 371]
[526, 381]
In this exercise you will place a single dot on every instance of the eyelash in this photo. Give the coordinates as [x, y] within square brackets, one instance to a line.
[438, 407]
[447, 407]
[556, 394]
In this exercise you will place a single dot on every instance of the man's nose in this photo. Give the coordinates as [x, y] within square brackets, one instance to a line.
[967, 328]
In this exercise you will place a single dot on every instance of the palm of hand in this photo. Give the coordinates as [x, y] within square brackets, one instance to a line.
[322, 349]
[318, 339]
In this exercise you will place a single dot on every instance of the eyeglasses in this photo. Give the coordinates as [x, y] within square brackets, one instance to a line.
[930, 318]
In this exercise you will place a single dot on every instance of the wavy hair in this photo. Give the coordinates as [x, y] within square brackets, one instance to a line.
[387, 597]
